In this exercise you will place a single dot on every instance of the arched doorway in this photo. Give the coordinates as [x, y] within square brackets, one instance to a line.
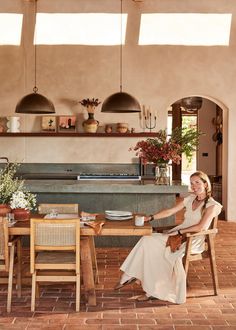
[211, 119]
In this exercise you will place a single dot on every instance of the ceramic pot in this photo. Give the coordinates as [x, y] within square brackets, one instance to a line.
[4, 209]
[122, 127]
[21, 214]
[90, 125]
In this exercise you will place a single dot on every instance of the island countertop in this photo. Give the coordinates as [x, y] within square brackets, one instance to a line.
[73, 186]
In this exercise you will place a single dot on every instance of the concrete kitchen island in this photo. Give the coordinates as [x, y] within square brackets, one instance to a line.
[98, 196]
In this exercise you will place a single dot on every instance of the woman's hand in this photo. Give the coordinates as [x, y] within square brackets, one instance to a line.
[147, 218]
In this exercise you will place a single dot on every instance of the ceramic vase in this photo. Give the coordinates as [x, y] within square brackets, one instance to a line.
[4, 209]
[90, 125]
[21, 214]
[13, 124]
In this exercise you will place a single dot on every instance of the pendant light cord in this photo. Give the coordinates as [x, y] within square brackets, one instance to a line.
[35, 89]
[121, 32]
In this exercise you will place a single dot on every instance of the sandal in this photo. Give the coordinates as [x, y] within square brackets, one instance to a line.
[119, 285]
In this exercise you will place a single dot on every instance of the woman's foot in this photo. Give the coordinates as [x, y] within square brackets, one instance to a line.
[120, 286]
[143, 298]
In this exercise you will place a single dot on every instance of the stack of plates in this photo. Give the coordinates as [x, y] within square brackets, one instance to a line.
[118, 215]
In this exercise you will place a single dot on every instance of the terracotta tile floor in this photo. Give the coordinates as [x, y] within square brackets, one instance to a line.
[117, 310]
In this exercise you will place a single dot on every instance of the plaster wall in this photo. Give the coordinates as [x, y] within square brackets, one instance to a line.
[156, 75]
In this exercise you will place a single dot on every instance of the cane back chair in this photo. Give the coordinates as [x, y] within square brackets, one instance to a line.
[45, 208]
[55, 246]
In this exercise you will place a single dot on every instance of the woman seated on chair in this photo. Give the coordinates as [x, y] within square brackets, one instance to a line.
[156, 261]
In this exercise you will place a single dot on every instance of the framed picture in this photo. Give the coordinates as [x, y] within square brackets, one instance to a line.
[49, 123]
[3, 124]
[67, 124]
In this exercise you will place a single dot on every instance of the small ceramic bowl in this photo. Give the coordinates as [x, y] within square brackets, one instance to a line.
[122, 127]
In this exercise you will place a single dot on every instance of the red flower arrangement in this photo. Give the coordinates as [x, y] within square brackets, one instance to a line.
[163, 149]
[158, 150]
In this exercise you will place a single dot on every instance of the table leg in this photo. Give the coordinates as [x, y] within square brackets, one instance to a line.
[87, 270]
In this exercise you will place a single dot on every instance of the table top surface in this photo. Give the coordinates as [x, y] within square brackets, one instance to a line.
[110, 228]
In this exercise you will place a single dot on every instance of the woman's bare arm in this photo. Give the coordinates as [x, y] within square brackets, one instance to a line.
[167, 212]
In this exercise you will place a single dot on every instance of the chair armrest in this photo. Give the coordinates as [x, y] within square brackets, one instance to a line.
[162, 229]
[203, 232]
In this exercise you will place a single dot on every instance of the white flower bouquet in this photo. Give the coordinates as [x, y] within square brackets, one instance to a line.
[23, 200]
[9, 183]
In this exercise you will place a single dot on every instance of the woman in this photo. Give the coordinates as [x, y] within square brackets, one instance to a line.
[156, 260]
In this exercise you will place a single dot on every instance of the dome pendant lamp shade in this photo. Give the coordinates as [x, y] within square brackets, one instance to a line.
[34, 102]
[121, 102]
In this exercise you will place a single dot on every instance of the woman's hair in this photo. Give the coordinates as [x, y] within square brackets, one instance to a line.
[205, 179]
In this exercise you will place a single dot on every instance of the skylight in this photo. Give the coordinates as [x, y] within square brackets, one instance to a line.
[191, 29]
[80, 29]
[10, 29]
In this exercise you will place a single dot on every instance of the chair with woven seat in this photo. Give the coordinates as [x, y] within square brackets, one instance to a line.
[45, 208]
[209, 251]
[55, 253]
[8, 258]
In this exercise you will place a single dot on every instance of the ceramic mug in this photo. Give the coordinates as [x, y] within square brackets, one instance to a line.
[139, 220]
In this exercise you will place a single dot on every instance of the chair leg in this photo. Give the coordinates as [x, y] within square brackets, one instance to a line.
[33, 292]
[19, 264]
[94, 259]
[213, 264]
[77, 295]
[187, 254]
[10, 278]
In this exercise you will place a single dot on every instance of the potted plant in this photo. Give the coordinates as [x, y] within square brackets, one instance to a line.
[90, 125]
[21, 203]
[9, 183]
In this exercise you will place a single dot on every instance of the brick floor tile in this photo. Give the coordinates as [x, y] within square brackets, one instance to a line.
[120, 327]
[138, 321]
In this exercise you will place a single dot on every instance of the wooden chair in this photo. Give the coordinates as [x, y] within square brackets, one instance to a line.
[72, 209]
[55, 246]
[209, 251]
[8, 259]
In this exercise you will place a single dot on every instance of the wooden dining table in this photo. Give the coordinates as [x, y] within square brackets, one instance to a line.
[109, 228]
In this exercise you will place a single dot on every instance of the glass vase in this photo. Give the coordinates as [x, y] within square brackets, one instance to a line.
[163, 174]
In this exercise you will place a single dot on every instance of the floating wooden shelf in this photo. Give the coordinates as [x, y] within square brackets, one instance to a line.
[77, 134]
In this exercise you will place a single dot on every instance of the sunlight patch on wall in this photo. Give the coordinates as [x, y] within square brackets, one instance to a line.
[10, 29]
[189, 29]
[80, 29]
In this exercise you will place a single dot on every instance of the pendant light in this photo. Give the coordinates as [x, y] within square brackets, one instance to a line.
[192, 103]
[121, 102]
[35, 103]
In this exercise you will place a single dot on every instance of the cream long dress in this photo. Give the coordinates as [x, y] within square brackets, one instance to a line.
[161, 271]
